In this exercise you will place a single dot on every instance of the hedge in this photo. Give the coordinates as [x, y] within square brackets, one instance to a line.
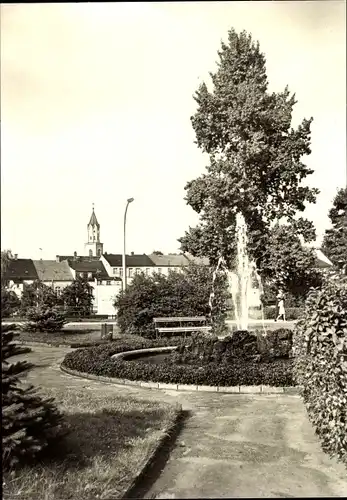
[320, 348]
[97, 361]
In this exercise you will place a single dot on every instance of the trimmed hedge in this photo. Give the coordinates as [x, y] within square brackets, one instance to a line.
[97, 361]
[320, 348]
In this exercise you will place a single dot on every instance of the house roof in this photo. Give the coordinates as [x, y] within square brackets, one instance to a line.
[89, 266]
[51, 270]
[203, 261]
[322, 260]
[169, 260]
[93, 220]
[116, 260]
[21, 269]
[79, 258]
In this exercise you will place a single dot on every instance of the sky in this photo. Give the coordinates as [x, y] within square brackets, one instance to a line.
[96, 101]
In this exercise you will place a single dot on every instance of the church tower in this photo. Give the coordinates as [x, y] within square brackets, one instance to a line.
[93, 247]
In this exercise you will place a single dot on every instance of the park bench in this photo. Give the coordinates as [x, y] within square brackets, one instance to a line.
[186, 324]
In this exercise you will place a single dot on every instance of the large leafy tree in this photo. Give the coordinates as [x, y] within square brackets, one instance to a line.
[288, 264]
[255, 157]
[335, 239]
[78, 297]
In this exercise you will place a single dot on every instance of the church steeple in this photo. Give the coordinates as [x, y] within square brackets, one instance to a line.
[93, 220]
[93, 246]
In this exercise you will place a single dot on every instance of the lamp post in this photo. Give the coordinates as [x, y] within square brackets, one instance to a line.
[129, 200]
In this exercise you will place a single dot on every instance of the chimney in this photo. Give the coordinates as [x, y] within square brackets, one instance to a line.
[56, 258]
[75, 256]
[15, 256]
[132, 253]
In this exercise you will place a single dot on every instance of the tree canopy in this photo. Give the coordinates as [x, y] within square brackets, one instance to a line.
[335, 239]
[255, 157]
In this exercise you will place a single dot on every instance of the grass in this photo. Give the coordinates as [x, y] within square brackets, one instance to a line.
[110, 437]
[68, 336]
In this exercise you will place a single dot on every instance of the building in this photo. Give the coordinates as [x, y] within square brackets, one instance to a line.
[93, 247]
[135, 264]
[20, 272]
[164, 263]
[53, 273]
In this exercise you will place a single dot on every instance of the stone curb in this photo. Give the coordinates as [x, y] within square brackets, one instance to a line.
[243, 389]
[148, 462]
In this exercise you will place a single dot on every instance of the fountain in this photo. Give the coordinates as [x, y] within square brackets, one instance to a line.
[240, 280]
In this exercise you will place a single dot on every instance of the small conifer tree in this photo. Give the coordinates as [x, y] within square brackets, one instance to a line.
[30, 423]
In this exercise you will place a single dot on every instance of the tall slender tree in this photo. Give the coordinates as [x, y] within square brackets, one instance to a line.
[255, 157]
[335, 239]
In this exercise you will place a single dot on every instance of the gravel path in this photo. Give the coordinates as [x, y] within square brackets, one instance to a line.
[230, 446]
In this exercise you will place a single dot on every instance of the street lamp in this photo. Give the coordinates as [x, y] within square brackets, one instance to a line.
[129, 200]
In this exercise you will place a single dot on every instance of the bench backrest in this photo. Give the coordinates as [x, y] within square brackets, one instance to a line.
[179, 319]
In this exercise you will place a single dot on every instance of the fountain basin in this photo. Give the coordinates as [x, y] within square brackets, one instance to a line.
[154, 355]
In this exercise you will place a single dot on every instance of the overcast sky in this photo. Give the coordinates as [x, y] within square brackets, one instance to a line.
[96, 102]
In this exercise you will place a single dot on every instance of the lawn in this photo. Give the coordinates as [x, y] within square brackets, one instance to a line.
[69, 335]
[110, 438]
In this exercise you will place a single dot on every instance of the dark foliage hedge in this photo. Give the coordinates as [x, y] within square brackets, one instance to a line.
[320, 348]
[97, 361]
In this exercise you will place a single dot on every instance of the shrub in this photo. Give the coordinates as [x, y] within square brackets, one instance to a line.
[96, 360]
[320, 347]
[183, 293]
[242, 345]
[44, 319]
[10, 303]
[29, 423]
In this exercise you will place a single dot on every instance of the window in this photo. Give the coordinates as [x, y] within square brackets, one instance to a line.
[108, 282]
[114, 270]
[90, 275]
[160, 270]
[137, 270]
[148, 271]
[130, 273]
[99, 282]
[121, 272]
[58, 290]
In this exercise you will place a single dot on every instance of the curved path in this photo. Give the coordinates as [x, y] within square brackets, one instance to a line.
[230, 446]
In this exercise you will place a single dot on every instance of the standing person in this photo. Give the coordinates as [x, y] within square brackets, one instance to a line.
[281, 310]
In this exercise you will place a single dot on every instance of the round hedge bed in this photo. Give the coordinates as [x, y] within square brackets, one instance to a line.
[98, 361]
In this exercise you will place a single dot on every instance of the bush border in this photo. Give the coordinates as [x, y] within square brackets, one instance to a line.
[238, 389]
